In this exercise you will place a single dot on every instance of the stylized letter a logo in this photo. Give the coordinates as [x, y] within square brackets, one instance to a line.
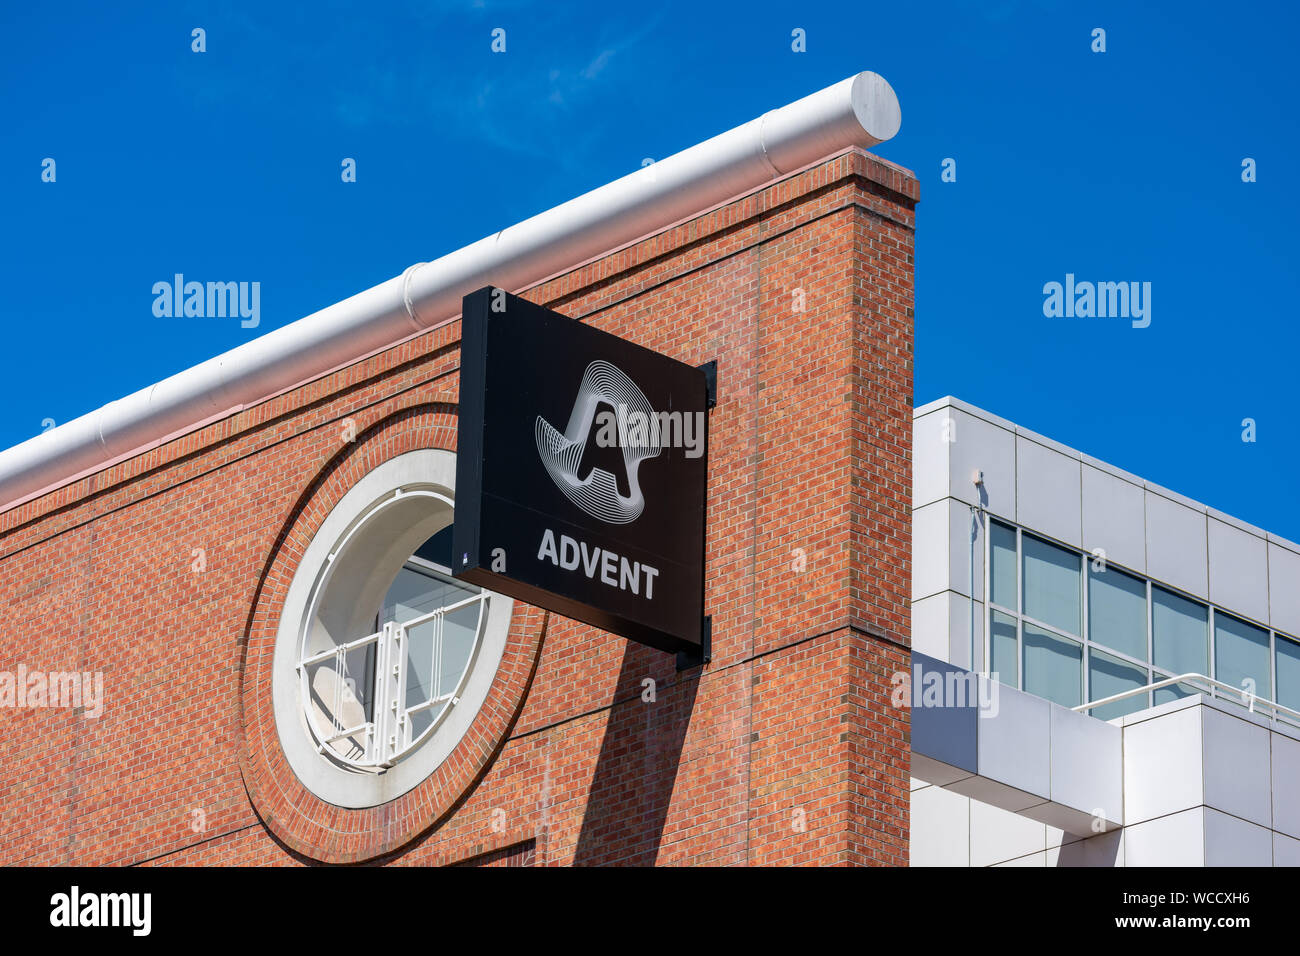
[561, 454]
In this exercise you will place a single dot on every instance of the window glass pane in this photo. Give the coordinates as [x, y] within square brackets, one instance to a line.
[343, 700]
[458, 631]
[1179, 633]
[421, 647]
[1002, 573]
[1051, 581]
[416, 592]
[422, 720]
[1005, 660]
[1241, 654]
[1109, 675]
[1172, 692]
[437, 652]
[1288, 673]
[1053, 666]
[359, 678]
[1117, 611]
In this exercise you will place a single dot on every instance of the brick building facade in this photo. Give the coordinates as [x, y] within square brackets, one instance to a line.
[167, 571]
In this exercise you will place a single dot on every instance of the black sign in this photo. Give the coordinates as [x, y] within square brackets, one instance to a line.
[581, 471]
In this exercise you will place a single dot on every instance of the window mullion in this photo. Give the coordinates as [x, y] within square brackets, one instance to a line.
[1020, 608]
[1085, 570]
[1043, 626]
[436, 690]
[378, 717]
[397, 735]
[388, 693]
[986, 593]
[336, 703]
[1211, 664]
[1151, 644]
[1272, 664]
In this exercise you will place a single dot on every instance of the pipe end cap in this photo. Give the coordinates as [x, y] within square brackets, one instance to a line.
[876, 107]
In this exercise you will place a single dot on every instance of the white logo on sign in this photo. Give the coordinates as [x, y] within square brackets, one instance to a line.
[561, 454]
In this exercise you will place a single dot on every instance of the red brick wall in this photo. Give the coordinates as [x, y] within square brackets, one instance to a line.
[782, 750]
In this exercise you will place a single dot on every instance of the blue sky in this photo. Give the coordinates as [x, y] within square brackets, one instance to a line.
[1115, 166]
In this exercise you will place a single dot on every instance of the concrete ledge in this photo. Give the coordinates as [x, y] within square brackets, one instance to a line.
[1009, 749]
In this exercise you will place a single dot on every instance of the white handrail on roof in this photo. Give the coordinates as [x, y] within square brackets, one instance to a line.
[1251, 701]
[859, 111]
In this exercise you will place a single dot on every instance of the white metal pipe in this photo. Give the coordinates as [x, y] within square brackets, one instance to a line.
[1250, 700]
[859, 111]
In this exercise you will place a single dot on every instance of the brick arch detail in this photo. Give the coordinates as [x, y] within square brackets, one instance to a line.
[303, 822]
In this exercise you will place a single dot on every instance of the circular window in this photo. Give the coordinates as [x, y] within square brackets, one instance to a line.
[373, 699]
[383, 658]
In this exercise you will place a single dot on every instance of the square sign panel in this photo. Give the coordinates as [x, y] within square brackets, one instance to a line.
[581, 470]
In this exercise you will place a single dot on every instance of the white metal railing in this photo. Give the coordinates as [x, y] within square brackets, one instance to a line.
[1250, 700]
[388, 733]
[339, 648]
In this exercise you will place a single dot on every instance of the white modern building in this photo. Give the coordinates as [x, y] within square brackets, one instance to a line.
[1069, 582]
